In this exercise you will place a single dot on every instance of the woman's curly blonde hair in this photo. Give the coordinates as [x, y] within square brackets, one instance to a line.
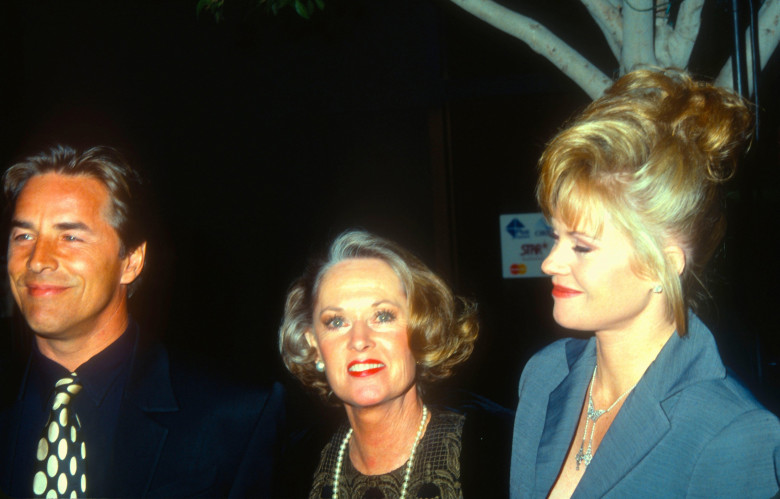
[442, 328]
[651, 155]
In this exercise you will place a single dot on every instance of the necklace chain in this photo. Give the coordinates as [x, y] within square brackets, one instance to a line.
[586, 455]
[409, 463]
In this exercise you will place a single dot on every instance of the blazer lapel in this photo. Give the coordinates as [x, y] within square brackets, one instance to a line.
[636, 430]
[563, 411]
[643, 421]
[140, 438]
[11, 418]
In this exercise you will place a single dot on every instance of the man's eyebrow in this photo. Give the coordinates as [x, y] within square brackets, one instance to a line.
[21, 224]
[72, 226]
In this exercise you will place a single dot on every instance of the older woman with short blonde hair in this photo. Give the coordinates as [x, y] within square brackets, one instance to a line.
[371, 328]
[442, 328]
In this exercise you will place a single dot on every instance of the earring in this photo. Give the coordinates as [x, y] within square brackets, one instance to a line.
[319, 366]
[658, 289]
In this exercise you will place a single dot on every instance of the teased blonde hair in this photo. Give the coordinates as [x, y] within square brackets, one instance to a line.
[442, 329]
[652, 155]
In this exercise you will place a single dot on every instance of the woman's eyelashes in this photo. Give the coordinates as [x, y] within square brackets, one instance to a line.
[379, 318]
[334, 322]
[578, 246]
[384, 316]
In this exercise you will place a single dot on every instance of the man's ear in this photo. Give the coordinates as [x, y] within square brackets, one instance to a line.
[676, 256]
[134, 264]
[311, 339]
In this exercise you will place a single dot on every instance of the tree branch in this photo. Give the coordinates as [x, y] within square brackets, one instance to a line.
[674, 47]
[768, 38]
[639, 48]
[607, 17]
[542, 41]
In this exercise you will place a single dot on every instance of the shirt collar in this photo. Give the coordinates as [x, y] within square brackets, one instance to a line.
[96, 374]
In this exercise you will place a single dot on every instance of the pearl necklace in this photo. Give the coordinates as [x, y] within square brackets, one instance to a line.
[593, 415]
[407, 475]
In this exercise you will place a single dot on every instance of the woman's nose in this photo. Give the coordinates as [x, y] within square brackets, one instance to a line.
[555, 264]
[360, 336]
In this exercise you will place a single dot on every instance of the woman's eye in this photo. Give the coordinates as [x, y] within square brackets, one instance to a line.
[334, 322]
[582, 249]
[385, 316]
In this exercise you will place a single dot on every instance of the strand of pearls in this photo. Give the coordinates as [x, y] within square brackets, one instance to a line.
[409, 463]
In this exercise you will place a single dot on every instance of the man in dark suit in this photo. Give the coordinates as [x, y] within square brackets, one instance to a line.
[126, 420]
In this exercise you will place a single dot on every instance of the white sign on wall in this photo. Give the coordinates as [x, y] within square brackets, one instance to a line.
[526, 239]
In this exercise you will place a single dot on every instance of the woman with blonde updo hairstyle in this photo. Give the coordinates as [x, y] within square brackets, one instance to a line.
[370, 327]
[643, 406]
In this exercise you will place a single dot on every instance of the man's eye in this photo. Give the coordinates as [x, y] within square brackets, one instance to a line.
[70, 238]
[23, 237]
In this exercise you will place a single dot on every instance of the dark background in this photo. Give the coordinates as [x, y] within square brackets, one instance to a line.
[263, 137]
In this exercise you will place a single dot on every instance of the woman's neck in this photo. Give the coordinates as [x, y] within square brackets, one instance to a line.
[624, 356]
[383, 436]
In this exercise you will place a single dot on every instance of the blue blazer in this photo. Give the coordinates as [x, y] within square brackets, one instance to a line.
[179, 434]
[688, 429]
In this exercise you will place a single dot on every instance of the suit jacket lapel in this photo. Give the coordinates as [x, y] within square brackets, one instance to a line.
[140, 438]
[563, 411]
[643, 420]
[10, 417]
[636, 430]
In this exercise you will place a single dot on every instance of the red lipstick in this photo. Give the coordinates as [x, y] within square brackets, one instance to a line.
[363, 368]
[559, 291]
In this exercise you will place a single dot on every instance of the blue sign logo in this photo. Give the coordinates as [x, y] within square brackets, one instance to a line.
[542, 229]
[517, 230]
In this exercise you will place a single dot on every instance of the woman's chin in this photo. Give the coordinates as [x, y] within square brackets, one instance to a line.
[568, 319]
[562, 319]
[363, 399]
[375, 395]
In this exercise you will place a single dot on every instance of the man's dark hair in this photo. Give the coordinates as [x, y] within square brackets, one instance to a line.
[102, 163]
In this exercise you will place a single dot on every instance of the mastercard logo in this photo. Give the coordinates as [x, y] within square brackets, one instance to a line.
[517, 269]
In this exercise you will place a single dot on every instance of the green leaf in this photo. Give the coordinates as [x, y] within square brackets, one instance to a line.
[320, 4]
[301, 9]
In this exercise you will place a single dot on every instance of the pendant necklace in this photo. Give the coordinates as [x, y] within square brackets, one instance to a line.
[593, 415]
[340, 458]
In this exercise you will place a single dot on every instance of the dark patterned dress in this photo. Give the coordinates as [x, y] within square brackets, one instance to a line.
[435, 472]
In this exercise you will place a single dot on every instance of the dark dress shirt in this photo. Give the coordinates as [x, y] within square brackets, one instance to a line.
[103, 378]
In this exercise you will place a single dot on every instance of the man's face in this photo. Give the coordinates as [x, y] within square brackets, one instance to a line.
[63, 257]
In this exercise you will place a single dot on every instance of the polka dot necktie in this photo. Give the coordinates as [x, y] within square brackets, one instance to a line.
[59, 464]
